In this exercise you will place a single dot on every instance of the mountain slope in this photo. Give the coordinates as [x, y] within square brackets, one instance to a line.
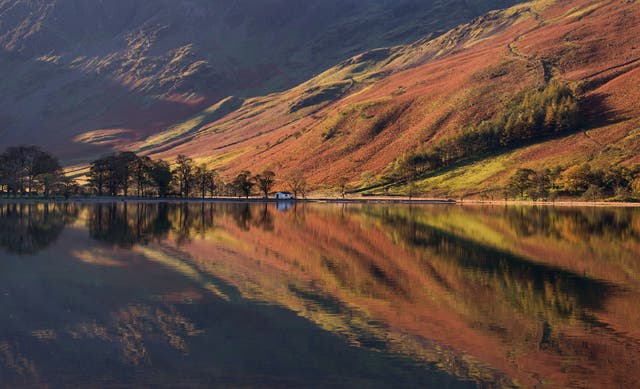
[356, 120]
[132, 68]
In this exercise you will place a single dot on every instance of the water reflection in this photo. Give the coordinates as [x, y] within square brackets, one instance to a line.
[125, 224]
[29, 228]
[489, 296]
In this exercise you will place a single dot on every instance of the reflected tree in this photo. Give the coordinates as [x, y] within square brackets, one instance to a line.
[29, 228]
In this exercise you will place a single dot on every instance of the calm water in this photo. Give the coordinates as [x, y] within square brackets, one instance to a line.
[318, 295]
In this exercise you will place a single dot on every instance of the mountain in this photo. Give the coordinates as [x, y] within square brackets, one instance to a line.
[540, 84]
[84, 77]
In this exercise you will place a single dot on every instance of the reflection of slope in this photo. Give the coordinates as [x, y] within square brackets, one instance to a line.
[259, 278]
[483, 293]
[96, 256]
[386, 280]
[16, 362]
[182, 267]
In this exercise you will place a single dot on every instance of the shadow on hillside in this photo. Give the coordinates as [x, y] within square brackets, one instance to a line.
[598, 113]
[44, 98]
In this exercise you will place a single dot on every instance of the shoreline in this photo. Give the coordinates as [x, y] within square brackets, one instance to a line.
[327, 200]
[560, 203]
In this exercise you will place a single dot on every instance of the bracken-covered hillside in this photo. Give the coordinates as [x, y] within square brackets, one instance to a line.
[81, 77]
[543, 83]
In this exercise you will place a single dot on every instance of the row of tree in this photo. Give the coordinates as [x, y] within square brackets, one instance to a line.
[126, 173]
[618, 182]
[29, 171]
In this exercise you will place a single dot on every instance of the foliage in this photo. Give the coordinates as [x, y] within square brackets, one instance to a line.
[243, 184]
[183, 174]
[114, 174]
[27, 170]
[576, 180]
[160, 177]
[533, 115]
[593, 193]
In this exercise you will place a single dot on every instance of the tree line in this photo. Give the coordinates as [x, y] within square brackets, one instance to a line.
[616, 182]
[126, 173]
[27, 170]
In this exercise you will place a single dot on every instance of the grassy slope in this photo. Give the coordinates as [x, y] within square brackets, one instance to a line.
[357, 117]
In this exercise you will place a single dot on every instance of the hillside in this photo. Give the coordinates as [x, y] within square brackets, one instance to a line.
[90, 76]
[359, 119]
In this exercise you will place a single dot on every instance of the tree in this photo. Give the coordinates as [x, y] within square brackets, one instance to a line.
[48, 172]
[24, 167]
[215, 183]
[243, 183]
[50, 180]
[123, 170]
[184, 174]
[553, 176]
[161, 176]
[635, 187]
[297, 183]
[65, 186]
[113, 172]
[522, 181]
[141, 169]
[617, 179]
[540, 187]
[265, 182]
[412, 189]
[202, 178]
[593, 193]
[342, 184]
[98, 175]
[576, 179]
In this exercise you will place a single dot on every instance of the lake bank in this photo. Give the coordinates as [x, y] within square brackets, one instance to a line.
[338, 200]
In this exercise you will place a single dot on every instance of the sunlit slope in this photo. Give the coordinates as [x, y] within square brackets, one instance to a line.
[89, 77]
[356, 119]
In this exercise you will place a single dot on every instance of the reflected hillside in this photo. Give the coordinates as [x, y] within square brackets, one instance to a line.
[496, 296]
[29, 228]
[114, 313]
[448, 285]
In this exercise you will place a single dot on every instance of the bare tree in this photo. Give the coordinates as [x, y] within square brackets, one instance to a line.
[202, 178]
[343, 185]
[265, 181]
[243, 183]
[215, 183]
[297, 183]
[184, 174]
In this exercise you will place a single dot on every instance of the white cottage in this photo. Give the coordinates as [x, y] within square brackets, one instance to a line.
[284, 196]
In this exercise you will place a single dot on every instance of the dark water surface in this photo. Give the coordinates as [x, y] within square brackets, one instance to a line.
[318, 295]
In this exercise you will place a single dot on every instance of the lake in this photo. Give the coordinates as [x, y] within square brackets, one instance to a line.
[318, 295]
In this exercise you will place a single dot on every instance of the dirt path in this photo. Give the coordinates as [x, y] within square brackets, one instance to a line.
[546, 69]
